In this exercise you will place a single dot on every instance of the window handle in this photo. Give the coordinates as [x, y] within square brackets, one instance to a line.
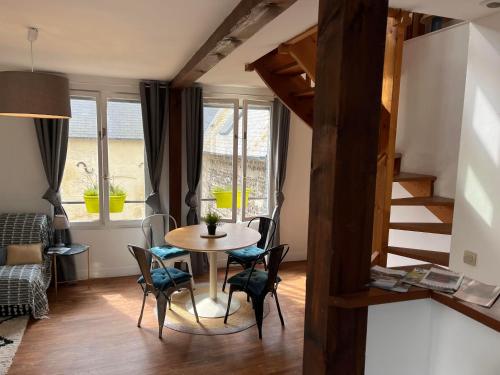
[102, 133]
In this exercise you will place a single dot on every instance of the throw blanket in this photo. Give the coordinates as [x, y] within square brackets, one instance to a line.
[23, 288]
[25, 285]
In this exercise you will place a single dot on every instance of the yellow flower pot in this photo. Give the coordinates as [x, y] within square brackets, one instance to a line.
[116, 203]
[91, 203]
[224, 198]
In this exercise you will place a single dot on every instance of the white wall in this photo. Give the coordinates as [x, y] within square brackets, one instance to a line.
[476, 223]
[109, 256]
[424, 337]
[398, 338]
[22, 177]
[430, 106]
[428, 133]
[295, 210]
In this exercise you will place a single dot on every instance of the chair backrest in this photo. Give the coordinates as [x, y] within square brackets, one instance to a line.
[267, 227]
[154, 228]
[143, 258]
[276, 256]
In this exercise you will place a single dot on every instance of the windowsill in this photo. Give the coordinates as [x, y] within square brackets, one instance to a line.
[104, 226]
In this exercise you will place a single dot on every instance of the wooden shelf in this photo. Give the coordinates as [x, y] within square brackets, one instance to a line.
[489, 317]
[374, 296]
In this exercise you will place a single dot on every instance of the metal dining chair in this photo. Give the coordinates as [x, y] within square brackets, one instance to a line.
[245, 257]
[161, 282]
[154, 228]
[257, 284]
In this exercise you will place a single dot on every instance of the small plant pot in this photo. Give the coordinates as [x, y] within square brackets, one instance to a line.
[116, 203]
[224, 198]
[91, 203]
[211, 228]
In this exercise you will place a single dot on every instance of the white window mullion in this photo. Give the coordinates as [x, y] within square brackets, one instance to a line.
[104, 176]
[244, 161]
[236, 114]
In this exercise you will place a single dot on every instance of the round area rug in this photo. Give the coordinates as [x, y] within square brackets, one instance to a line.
[11, 333]
[179, 319]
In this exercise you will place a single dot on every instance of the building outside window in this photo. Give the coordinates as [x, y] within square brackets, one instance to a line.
[105, 173]
[235, 178]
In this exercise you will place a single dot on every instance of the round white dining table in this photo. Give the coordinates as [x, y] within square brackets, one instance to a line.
[214, 303]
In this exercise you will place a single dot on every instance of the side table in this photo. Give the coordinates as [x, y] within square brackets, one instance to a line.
[68, 250]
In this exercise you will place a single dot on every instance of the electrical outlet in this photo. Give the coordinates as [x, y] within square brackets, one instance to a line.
[470, 257]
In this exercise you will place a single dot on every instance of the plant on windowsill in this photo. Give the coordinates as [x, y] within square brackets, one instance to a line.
[224, 197]
[212, 219]
[117, 195]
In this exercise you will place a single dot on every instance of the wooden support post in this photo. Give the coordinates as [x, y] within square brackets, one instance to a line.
[175, 154]
[396, 26]
[350, 58]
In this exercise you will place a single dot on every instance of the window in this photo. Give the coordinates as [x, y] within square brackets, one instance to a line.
[236, 163]
[105, 177]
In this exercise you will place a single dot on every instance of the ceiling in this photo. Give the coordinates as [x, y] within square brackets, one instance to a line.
[154, 39]
[116, 38]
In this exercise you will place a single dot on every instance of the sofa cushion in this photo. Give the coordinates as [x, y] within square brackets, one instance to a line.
[24, 254]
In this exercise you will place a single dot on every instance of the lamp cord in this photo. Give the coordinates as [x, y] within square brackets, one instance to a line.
[31, 53]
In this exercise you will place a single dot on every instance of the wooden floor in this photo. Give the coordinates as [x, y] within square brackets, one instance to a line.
[93, 331]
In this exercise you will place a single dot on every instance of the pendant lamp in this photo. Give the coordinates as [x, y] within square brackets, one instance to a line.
[33, 94]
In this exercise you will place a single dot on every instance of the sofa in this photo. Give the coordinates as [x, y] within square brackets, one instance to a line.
[23, 288]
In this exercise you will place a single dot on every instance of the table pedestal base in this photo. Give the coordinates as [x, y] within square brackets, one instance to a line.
[210, 308]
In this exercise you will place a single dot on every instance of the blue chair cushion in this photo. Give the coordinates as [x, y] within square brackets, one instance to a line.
[162, 281]
[167, 252]
[257, 283]
[246, 255]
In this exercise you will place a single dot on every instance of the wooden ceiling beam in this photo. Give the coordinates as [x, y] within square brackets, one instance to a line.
[244, 21]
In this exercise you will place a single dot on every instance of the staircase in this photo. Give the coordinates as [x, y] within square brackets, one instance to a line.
[290, 70]
[422, 188]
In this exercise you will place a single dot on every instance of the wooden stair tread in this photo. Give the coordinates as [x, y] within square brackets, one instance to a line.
[289, 69]
[304, 93]
[423, 201]
[438, 228]
[430, 256]
[406, 176]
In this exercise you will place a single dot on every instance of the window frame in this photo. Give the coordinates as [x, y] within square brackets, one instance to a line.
[244, 152]
[242, 105]
[104, 221]
[236, 109]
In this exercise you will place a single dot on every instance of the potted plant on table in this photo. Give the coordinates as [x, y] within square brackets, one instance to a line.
[212, 219]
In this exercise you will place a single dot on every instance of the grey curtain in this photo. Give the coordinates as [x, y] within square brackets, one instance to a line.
[52, 137]
[154, 103]
[192, 121]
[280, 131]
